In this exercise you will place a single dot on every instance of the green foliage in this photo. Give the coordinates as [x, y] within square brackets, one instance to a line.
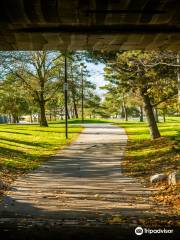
[134, 83]
[32, 83]
[13, 100]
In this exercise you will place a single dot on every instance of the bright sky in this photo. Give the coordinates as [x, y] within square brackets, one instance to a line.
[97, 76]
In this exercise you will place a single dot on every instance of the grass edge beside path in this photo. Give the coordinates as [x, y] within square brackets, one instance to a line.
[25, 147]
[145, 157]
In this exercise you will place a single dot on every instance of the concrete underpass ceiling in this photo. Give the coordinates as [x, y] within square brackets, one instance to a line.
[89, 24]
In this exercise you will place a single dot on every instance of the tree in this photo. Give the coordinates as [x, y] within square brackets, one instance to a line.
[13, 99]
[132, 74]
[39, 72]
[55, 106]
[93, 105]
[77, 71]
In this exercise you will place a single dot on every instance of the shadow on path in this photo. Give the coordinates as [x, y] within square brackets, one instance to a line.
[82, 184]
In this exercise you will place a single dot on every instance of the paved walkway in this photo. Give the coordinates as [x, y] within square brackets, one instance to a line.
[83, 180]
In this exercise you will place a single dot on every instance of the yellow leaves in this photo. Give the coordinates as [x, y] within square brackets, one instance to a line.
[169, 197]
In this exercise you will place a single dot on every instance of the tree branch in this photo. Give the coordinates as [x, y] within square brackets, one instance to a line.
[159, 63]
[164, 100]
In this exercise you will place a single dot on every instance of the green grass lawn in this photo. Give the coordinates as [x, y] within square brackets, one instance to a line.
[145, 156]
[25, 147]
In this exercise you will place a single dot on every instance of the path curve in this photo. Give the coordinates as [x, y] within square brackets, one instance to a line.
[83, 180]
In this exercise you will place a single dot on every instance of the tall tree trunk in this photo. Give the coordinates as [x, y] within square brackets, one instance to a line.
[55, 114]
[154, 131]
[141, 117]
[156, 114]
[43, 120]
[15, 118]
[125, 110]
[61, 113]
[10, 118]
[75, 106]
[164, 115]
[75, 110]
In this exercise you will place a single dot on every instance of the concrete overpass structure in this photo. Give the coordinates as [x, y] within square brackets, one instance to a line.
[89, 24]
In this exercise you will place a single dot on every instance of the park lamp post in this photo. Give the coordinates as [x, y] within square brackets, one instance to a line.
[65, 88]
[82, 93]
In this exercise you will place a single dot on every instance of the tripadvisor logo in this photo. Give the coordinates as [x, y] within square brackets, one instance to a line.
[140, 231]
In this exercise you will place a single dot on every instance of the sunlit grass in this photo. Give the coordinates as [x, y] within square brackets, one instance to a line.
[145, 156]
[25, 147]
